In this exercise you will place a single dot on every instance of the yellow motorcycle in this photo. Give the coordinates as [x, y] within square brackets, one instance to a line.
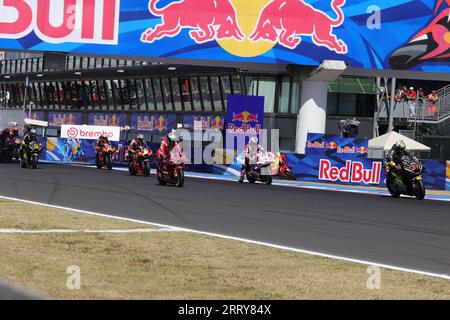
[30, 155]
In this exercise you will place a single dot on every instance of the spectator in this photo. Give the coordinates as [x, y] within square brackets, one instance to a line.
[398, 95]
[411, 96]
[404, 93]
[432, 99]
[420, 95]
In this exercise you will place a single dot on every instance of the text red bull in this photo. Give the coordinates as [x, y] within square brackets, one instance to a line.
[285, 21]
[353, 171]
[208, 20]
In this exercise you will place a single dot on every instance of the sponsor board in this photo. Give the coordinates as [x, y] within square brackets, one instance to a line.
[353, 171]
[386, 34]
[89, 132]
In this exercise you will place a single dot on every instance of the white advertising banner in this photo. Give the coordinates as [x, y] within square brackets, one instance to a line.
[89, 132]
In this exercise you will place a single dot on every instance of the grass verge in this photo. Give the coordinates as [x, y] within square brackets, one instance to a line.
[179, 265]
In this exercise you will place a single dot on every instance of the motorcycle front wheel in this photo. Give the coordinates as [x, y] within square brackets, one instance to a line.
[251, 178]
[109, 164]
[146, 168]
[419, 189]
[34, 162]
[132, 169]
[180, 178]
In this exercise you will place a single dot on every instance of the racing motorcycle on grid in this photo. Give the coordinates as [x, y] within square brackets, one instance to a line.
[260, 169]
[104, 157]
[16, 143]
[413, 184]
[7, 150]
[140, 162]
[171, 168]
[30, 155]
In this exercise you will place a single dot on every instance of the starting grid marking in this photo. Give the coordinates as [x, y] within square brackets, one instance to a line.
[112, 231]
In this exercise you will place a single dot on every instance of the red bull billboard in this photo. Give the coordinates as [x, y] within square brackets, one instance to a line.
[245, 114]
[381, 34]
[158, 124]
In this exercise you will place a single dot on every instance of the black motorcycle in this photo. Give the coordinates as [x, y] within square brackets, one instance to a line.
[30, 155]
[7, 150]
[409, 182]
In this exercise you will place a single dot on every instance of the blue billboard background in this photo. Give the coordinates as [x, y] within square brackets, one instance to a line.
[56, 119]
[107, 119]
[154, 123]
[358, 40]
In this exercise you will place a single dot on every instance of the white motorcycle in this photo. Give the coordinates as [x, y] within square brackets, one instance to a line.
[260, 168]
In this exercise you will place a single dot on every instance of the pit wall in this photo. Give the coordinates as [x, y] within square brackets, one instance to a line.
[338, 162]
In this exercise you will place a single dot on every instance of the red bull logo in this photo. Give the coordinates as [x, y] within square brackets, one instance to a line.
[353, 171]
[161, 124]
[207, 20]
[246, 28]
[284, 21]
[245, 117]
[332, 145]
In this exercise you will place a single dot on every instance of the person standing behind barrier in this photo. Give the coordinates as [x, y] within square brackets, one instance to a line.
[412, 97]
[432, 100]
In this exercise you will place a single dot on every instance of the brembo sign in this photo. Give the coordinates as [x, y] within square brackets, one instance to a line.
[89, 132]
[58, 21]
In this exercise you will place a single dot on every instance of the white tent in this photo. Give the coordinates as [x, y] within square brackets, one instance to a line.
[386, 141]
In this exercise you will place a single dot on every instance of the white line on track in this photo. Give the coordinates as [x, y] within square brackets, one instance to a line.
[266, 244]
[123, 231]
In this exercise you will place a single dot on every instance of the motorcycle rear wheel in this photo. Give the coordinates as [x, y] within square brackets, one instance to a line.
[394, 193]
[268, 180]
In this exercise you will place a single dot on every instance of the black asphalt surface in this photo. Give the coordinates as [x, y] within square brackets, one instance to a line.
[403, 232]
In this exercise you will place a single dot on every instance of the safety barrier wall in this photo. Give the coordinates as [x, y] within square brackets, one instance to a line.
[330, 166]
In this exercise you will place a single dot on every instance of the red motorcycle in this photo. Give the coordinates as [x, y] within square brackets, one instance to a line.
[140, 162]
[171, 168]
[104, 157]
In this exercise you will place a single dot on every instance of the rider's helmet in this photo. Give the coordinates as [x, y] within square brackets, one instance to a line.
[171, 139]
[140, 138]
[400, 146]
[33, 133]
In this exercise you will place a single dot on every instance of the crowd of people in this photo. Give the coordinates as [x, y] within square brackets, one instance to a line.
[418, 98]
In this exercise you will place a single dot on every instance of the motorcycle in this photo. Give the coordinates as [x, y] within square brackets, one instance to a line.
[261, 169]
[104, 157]
[140, 162]
[171, 168]
[7, 150]
[30, 155]
[413, 171]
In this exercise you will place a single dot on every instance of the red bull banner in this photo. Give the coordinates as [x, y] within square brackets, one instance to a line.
[157, 124]
[107, 119]
[319, 144]
[245, 114]
[209, 122]
[57, 119]
[382, 34]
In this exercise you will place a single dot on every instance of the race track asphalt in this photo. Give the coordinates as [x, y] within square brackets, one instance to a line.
[404, 232]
